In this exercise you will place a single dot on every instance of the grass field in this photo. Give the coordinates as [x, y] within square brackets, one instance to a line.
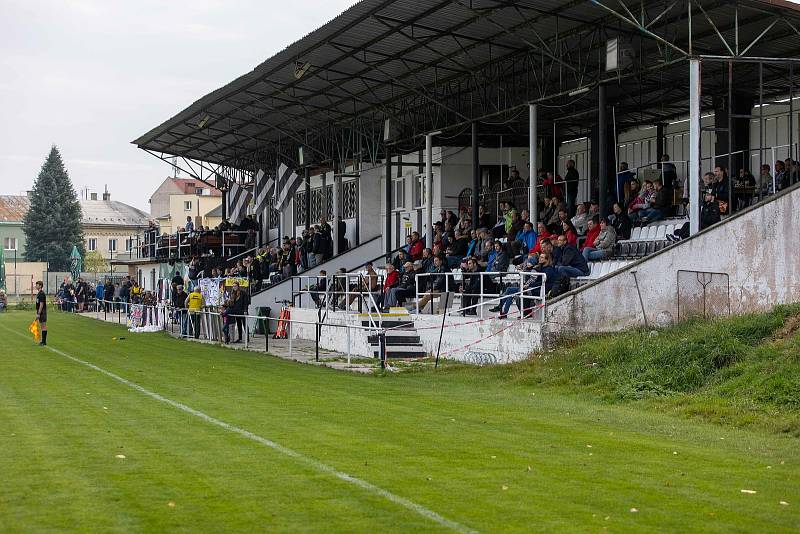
[221, 440]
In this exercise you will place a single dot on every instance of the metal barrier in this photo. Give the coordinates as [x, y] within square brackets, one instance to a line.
[489, 283]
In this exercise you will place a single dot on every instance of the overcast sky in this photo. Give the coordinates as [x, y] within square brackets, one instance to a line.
[92, 75]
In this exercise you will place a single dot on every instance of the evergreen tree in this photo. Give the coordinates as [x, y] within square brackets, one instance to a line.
[53, 222]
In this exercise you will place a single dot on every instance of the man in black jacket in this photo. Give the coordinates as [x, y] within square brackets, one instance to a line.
[437, 282]
[709, 210]
[471, 287]
[407, 286]
[571, 179]
[571, 263]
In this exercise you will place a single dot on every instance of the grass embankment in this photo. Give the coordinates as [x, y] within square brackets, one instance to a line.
[741, 370]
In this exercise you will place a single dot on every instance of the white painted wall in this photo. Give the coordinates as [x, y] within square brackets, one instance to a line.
[757, 248]
[461, 335]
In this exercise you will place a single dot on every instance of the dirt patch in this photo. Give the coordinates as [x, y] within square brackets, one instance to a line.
[790, 326]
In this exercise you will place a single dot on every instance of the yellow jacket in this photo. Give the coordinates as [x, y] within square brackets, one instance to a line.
[194, 301]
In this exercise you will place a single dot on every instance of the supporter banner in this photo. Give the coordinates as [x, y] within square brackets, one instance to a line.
[237, 199]
[211, 291]
[265, 189]
[243, 282]
[288, 182]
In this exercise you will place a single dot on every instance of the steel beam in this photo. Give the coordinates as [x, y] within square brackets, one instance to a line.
[476, 172]
[429, 190]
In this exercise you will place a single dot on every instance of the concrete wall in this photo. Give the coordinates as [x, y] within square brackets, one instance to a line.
[514, 342]
[21, 276]
[756, 248]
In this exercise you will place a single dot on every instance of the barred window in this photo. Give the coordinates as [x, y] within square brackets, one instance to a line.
[329, 198]
[350, 199]
[300, 208]
[274, 217]
[316, 205]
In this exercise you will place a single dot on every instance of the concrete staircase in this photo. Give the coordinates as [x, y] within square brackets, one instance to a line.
[402, 341]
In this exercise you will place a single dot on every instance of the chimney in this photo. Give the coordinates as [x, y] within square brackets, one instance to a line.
[93, 196]
[106, 194]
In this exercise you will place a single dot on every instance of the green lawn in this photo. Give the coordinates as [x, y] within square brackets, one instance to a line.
[478, 448]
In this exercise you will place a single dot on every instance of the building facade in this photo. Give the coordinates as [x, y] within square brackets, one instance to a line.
[178, 198]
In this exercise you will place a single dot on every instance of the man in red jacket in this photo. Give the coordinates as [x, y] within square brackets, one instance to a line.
[391, 280]
[592, 232]
[416, 248]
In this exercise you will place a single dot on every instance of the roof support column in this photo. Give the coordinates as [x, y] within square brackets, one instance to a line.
[307, 200]
[337, 206]
[694, 146]
[476, 173]
[387, 206]
[429, 190]
[602, 150]
[533, 162]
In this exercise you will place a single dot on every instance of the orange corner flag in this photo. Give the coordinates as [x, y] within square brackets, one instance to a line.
[34, 329]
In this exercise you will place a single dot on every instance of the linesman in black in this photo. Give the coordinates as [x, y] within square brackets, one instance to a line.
[41, 312]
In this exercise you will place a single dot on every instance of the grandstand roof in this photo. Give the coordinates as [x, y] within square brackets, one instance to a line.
[442, 64]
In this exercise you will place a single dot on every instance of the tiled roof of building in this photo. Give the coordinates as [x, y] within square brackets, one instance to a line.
[111, 212]
[13, 208]
[189, 186]
[95, 212]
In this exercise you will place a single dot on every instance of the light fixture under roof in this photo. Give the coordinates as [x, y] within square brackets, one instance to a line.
[579, 91]
[203, 121]
[300, 69]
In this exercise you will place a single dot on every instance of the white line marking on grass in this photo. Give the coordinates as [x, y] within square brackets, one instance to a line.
[316, 464]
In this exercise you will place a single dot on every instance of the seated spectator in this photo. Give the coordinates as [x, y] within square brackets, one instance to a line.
[571, 263]
[530, 288]
[658, 207]
[484, 219]
[317, 291]
[604, 244]
[592, 233]
[542, 234]
[709, 210]
[457, 250]
[470, 287]
[621, 222]
[405, 287]
[498, 261]
[399, 260]
[415, 247]
[569, 231]
[437, 283]
[525, 240]
[391, 281]
[581, 219]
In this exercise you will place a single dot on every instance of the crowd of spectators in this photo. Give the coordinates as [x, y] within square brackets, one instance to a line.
[81, 295]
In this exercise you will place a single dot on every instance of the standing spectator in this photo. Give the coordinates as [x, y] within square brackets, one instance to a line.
[318, 246]
[99, 295]
[179, 303]
[571, 179]
[108, 295]
[415, 251]
[195, 303]
[189, 227]
[341, 233]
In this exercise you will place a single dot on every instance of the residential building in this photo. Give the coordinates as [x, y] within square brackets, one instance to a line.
[109, 227]
[12, 237]
[178, 198]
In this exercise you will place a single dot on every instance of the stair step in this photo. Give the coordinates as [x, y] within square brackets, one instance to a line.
[401, 355]
[390, 324]
[395, 340]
